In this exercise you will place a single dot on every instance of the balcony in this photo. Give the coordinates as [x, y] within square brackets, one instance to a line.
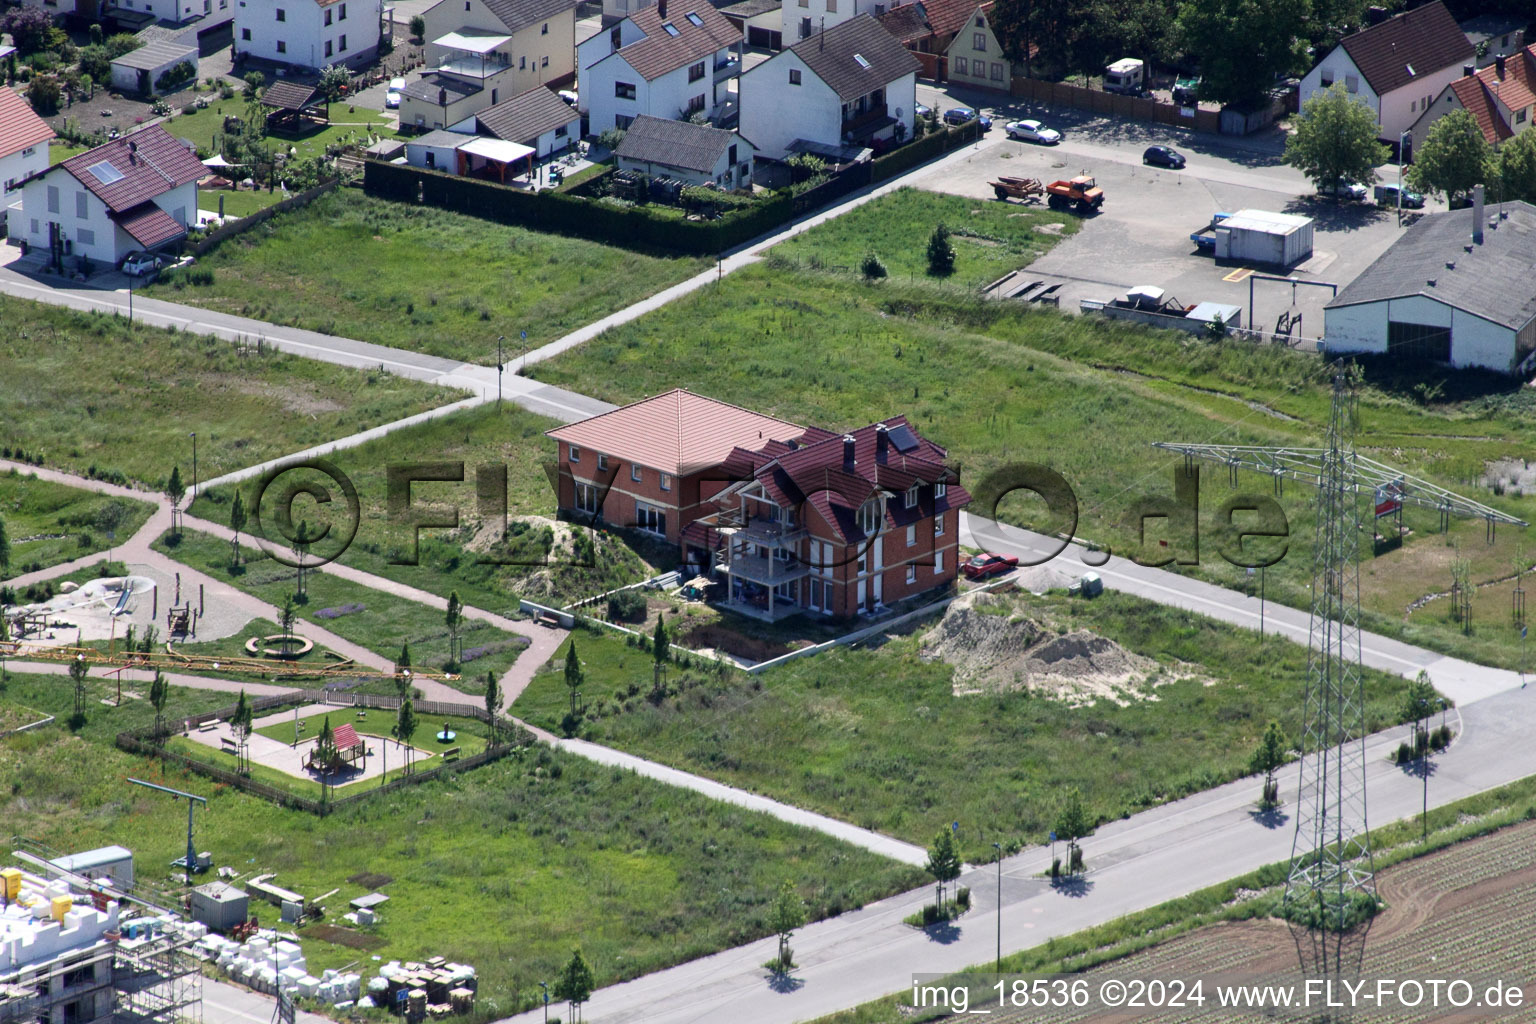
[770, 572]
[861, 126]
[727, 69]
[769, 533]
[470, 66]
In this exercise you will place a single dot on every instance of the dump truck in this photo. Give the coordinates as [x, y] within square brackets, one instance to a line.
[1205, 238]
[1018, 188]
[1080, 193]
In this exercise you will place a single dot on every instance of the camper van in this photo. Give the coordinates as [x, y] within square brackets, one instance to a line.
[1127, 76]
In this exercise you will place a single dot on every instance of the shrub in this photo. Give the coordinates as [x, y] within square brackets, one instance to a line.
[931, 914]
[872, 268]
[173, 78]
[626, 605]
[941, 253]
[963, 897]
[418, 26]
[44, 94]
[1404, 753]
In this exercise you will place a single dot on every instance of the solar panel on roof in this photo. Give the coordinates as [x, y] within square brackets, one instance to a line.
[903, 438]
[105, 172]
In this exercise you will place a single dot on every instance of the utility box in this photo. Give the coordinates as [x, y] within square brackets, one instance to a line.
[220, 906]
[1261, 236]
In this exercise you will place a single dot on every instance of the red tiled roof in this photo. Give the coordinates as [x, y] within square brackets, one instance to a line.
[155, 164]
[346, 736]
[678, 432]
[660, 51]
[1486, 95]
[1408, 46]
[19, 126]
[906, 23]
[949, 16]
[1474, 96]
[1517, 89]
[149, 225]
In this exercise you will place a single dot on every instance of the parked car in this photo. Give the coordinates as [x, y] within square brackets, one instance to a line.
[1032, 131]
[962, 115]
[1163, 156]
[1386, 195]
[982, 566]
[392, 96]
[1346, 190]
[569, 96]
[924, 110]
[140, 264]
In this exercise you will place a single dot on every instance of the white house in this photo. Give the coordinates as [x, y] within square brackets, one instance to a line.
[537, 119]
[309, 33]
[1500, 97]
[853, 85]
[1397, 67]
[135, 192]
[1454, 288]
[158, 61]
[673, 60]
[696, 154]
[799, 19]
[23, 152]
[482, 52]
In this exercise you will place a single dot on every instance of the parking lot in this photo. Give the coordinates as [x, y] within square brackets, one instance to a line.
[1141, 234]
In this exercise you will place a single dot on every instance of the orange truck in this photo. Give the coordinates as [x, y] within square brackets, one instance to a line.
[1079, 193]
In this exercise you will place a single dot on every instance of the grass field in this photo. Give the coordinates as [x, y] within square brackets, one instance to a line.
[878, 738]
[206, 126]
[997, 384]
[990, 239]
[423, 279]
[382, 623]
[463, 559]
[87, 391]
[49, 523]
[507, 867]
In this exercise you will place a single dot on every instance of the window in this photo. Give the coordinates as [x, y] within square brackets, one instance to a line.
[962, 66]
[911, 574]
[666, 481]
[574, 452]
[282, 47]
[696, 71]
[560, 132]
[911, 534]
[979, 42]
[650, 519]
[85, 236]
[696, 104]
[869, 515]
[545, 30]
[912, 496]
[34, 225]
[342, 14]
[82, 206]
[670, 29]
[282, 15]
[634, 472]
[432, 162]
[623, 121]
[938, 562]
[543, 62]
[1413, 105]
[245, 35]
[805, 26]
[624, 90]
[694, 20]
[53, 199]
[997, 72]
[831, 6]
[327, 47]
[602, 462]
[341, 43]
[730, 155]
[586, 498]
[328, 13]
[939, 489]
[794, 76]
[1520, 116]
[522, 63]
[1352, 83]
[938, 526]
[1326, 78]
[493, 96]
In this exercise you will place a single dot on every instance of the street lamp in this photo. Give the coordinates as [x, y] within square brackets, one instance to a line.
[499, 340]
[194, 470]
[998, 968]
[545, 986]
[1402, 150]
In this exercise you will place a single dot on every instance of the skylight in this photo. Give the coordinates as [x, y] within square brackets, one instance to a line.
[1411, 72]
[105, 172]
[862, 62]
[671, 28]
[695, 19]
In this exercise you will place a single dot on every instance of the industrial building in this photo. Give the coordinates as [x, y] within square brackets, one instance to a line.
[1261, 236]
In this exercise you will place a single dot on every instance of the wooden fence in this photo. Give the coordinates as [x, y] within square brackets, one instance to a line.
[231, 228]
[1060, 94]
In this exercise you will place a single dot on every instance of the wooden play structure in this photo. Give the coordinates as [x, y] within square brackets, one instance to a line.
[341, 752]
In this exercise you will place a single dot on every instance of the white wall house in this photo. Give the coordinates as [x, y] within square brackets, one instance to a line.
[537, 118]
[853, 85]
[696, 154]
[309, 33]
[800, 19]
[23, 150]
[135, 192]
[1397, 67]
[671, 60]
[1428, 299]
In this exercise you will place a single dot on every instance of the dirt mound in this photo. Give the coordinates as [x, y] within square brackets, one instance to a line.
[995, 648]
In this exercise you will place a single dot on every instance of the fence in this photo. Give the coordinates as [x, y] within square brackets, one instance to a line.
[1061, 94]
[235, 227]
[134, 742]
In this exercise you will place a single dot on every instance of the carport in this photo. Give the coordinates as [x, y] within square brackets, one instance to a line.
[484, 157]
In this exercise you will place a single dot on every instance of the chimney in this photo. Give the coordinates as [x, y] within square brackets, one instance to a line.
[442, 97]
[848, 459]
[1477, 214]
[881, 440]
[133, 152]
[1498, 62]
[661, 9]
[1468, 70]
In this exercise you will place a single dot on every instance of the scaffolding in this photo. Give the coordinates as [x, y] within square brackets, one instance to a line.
[158, 980]
[75, 985]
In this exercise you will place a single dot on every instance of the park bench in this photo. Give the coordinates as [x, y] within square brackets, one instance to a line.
[228, 745]
[548, 619]
[451, 754]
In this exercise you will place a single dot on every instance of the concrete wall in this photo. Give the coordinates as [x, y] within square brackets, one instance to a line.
[775, 113]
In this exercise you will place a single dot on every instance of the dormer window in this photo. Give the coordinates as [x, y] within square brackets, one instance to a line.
[939, 489]
[912, 496]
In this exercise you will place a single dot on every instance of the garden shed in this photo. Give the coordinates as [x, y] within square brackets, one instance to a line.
[154, 68]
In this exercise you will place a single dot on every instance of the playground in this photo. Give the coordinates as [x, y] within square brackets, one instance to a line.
[105, 609]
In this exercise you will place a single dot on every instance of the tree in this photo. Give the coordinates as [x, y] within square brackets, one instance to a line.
[79, 669]
[661, 647]
[1515, 168]
[31, 29]
[254, 80]
[237, 520]
[95, 33]
[787, 915]
[302, 539]
[1071, 825]
[175, 490]
[405, 728]
[418, 26]
[285, 619]
[574, 677]
[5, 636]
[241, 724]
[1335, 140]
[943, 862]
[454, 616]
[575, 984]
[941, 254]
[159, 694]
[333, 79]
[5, 549]
[1267, 758]
[492, 702]
[403, 669]
[1453, 157]
[1419, 703]
[44, 94]
[1242, 45]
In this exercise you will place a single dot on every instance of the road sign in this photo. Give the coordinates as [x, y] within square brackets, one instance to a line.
[955, 827]
[1053, 837]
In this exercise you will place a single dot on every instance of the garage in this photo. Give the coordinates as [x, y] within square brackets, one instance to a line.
[1262, 236]
[760, 21]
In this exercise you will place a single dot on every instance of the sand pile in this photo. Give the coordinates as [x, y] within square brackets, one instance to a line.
[995, 648]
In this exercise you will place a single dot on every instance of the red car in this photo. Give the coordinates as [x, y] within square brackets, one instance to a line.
[982, 566]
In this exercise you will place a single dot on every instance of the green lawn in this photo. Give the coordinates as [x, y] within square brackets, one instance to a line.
[998, 384]
[454, 559]
[59, 151]
[558, 852]
[381, 624]
[990, 239]
[876, 737]
[423, 279]
[238, 204]
[88, 392]
[49, 523]
[206, 128]
[232, 647]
